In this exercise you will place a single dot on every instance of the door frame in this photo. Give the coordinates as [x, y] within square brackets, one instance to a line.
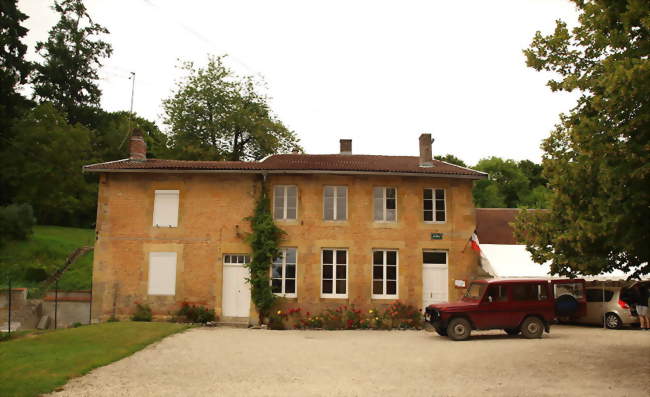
[435, 266]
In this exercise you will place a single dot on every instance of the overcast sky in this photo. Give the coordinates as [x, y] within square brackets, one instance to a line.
[378, 72]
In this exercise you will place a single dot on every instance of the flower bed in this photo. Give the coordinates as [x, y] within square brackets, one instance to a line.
[395, 316]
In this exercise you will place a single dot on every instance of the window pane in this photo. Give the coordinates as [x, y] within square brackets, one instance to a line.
[378, 257]
[390, 215]
[291, 255]
[291, 192]
[340, 286]
[227, 259]
[340, 271]
[391, 258]
[329, 209]
[427, 194]
[440, 216]
[377, 272]
[391, 287]
[428, 205]
[328, 256]
[291, 213]
[440, 205]
[341, 212]
[390, 193]
[608, 295]
[428, 216]
[391, 272]
[290, 287]
[327, 286]
[329, 191]
[278, 212]
[327, 272]
[378, 287]
[434, 257]
[276, 286]
[290, 271]
[378, 193]
[390, 204]
[276, 271]
[440, 194]
[341, 192]
[378, 209]
[341, 257]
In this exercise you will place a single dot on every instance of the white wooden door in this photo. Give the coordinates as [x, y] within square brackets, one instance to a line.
[236, 296]
[435, 284]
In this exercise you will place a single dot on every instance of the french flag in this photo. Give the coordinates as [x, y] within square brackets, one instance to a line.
[474, 241]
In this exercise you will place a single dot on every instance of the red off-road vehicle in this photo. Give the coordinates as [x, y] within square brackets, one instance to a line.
[526, 306]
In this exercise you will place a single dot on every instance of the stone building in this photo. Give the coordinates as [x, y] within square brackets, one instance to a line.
[361, 229]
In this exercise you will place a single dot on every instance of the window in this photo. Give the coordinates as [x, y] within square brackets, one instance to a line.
[496, 293]
[384, 274]
[596, 295]
[162, 273]
[529, 292]
[385, 204]
[165, 208]
[236, 259]
[434, 205]
[434, 257]
[283, 273]
[285, 202]
[335, 203]
[334, 273]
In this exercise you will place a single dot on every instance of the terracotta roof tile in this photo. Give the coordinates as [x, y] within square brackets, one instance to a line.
[298, 162]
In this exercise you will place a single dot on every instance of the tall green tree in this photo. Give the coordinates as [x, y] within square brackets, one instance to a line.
[72, 56]
[450, 158]
[215, 114]
[43, 166]
[597, 158]
[14, 70]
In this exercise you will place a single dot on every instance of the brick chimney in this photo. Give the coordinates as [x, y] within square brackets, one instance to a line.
[346, 146]
[137, 146]
[426, 159]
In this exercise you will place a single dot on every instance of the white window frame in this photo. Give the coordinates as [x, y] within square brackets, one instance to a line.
[383, 199]
[335, 203]
[385, 273]
[241, 259]
[334, 294]
[283, 254]
[434, 204]
[157, 290]
[156, 208]
[283, 216]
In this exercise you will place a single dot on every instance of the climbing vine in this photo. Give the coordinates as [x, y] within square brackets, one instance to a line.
[264, 241]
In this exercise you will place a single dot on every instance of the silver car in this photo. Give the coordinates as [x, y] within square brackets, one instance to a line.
[604, 306]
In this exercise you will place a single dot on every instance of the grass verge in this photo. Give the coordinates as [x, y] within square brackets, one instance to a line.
[31, 366]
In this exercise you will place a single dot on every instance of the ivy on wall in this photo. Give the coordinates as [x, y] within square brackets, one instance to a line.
[265, 242]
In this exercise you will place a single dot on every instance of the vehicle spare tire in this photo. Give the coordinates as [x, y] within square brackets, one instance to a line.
[566, 306]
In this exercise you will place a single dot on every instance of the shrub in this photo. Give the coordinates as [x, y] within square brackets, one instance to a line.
[113, 319]
[276, 321]
[142, 313]
[403, 316]
[196, 314]
[76, 324]
[16, 222]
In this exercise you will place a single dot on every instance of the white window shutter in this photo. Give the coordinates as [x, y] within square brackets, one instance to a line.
[165, 211]
[162, 273]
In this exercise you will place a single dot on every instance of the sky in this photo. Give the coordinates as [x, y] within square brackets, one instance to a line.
[377, 72]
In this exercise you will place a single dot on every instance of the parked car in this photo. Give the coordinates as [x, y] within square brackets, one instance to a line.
[606, 305]
[526, 306]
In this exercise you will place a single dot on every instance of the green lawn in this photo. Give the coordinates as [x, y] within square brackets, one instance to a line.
[30, 366]
[48, 249]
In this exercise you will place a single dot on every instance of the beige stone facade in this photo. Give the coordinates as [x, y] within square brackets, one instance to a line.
[211, 223]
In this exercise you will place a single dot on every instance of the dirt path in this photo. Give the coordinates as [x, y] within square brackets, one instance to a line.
[571, 361]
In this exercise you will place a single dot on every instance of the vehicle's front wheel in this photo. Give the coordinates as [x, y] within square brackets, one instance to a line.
[612, 321]
[512, 331]
[532, 328]
[459, 328]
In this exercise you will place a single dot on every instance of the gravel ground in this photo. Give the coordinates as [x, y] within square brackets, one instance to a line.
[571, 361]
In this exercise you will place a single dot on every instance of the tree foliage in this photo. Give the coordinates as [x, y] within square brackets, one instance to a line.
[43, 167]
[72, 55]
[596, 159]
[511, 184]
[216, 115]
[265, 242]
[451, 159]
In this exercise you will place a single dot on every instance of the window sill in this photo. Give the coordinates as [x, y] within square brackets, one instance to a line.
[434, 222]
[288, 296]
[287, 221]
[385, 297]
[333, 296]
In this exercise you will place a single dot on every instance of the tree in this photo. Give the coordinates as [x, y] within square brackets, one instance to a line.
[217, 115]
[596, 159]
[43, 166]
[506, 176]
[72, 55]
[450, 158]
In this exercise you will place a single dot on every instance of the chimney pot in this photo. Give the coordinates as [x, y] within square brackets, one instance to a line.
[346, 146]
[137, 147]
[426, 159]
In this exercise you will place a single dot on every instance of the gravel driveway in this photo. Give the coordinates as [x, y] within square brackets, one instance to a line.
[572, 360]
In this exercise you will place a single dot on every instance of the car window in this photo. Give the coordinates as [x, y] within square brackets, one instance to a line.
[529, 292]
[574, 289]
[475, 291]
[496, 293]
[596, 295]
